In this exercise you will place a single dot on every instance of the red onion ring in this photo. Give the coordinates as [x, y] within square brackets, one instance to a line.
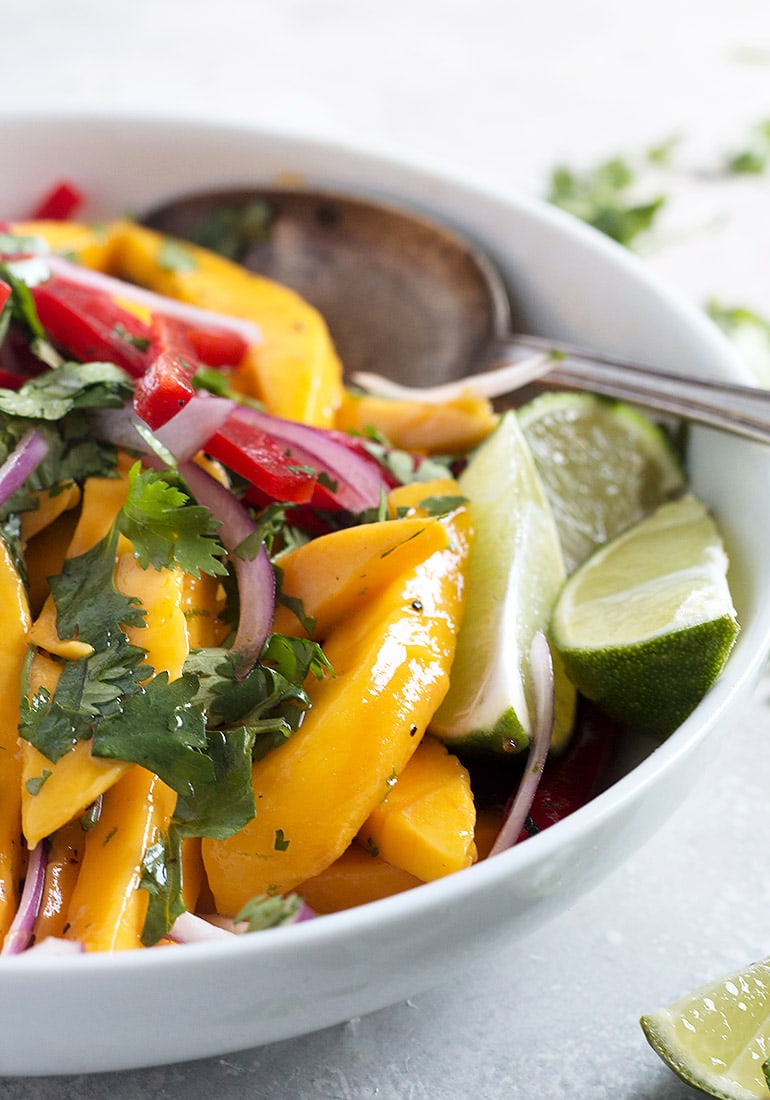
[20, 931]
[23, 460]
[359, 481]
[256, 580]
[157, 303]
[542, 685]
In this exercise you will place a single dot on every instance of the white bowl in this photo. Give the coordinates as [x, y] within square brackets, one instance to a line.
[149, 1007]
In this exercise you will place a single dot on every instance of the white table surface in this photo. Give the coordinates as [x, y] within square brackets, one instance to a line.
[498, 92]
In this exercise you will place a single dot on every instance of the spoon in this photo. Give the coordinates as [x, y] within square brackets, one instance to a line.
[406, 297]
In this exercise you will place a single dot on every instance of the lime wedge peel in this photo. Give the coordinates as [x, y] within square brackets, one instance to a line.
[515, 572]
[604, 465]
[717, 1038]
[645, 626]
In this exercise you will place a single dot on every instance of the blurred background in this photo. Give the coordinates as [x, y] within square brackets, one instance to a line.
[653, 120]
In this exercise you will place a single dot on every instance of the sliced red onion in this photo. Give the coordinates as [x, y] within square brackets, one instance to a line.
[55, 945]
[256, 580]
[186, 433]
[491, 383]
[182, 436]
[188, 928]
[121, 427]
[542, 690]
[23, 460]
[19, 934]
[359, 481]
[158, 303]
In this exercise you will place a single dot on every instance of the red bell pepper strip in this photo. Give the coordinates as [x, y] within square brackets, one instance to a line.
[59, 204]
[17, 362]
[216, 347]
[5, 293]
[166, 386]
[90, 326]
[570, 781]
[257, 457]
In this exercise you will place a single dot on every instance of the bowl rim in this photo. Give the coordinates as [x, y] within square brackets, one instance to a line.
[486, 874]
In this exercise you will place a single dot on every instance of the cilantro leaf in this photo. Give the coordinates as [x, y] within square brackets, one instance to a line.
[442, 505]
[266, 911]
[166, 529]
[604, 198]
[158, 728]
[173, 256]
[232, 230]
[162, 879]
[88, 606]
[271, 698]
[71, 386]
[224, 802]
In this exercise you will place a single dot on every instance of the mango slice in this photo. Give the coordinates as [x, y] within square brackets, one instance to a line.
[426, 824]
[14, 641]
[391, 659]
[107, 909]
[356, 878]
[420, 426]
[295, 370]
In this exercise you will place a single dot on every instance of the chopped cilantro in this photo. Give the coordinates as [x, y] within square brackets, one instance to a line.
[141, 343]
[162, 879]
[754, 158]
[265, 911]
[231, 230]
[64, 389]
[280, 843]
[733, 319]
[293, 603]
[34, 784]
[166, 529]
[173, 256]
[604, 197]
[442, 505]
[217, 381]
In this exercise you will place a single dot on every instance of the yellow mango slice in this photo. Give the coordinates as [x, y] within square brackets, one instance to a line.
[107, 909]
[356, 878]
[44, 556]
[50, 505]
[426, 823]
[333, 573]
[65, 855]
[78, 778]
[14, 641]
[202, 602]
[489, 821]
[88, 244]
[420, 426]
[295, 370]
[391, 658]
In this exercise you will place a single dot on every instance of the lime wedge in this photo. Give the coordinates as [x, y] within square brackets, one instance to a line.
[718, 1038]
[646, 624]
[514, 575]
[604, 466]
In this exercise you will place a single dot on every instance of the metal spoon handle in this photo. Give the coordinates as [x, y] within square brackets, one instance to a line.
[742, 410]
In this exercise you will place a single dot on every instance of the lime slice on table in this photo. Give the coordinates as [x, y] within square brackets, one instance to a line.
[646, 624]
[718, 1038]
[604, 466]
[514, 574]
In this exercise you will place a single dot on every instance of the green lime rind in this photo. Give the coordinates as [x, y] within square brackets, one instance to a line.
[652, 686]
[505, 735]
[645, 625]
[515, 573]
[716, 1039]
[604, 465]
